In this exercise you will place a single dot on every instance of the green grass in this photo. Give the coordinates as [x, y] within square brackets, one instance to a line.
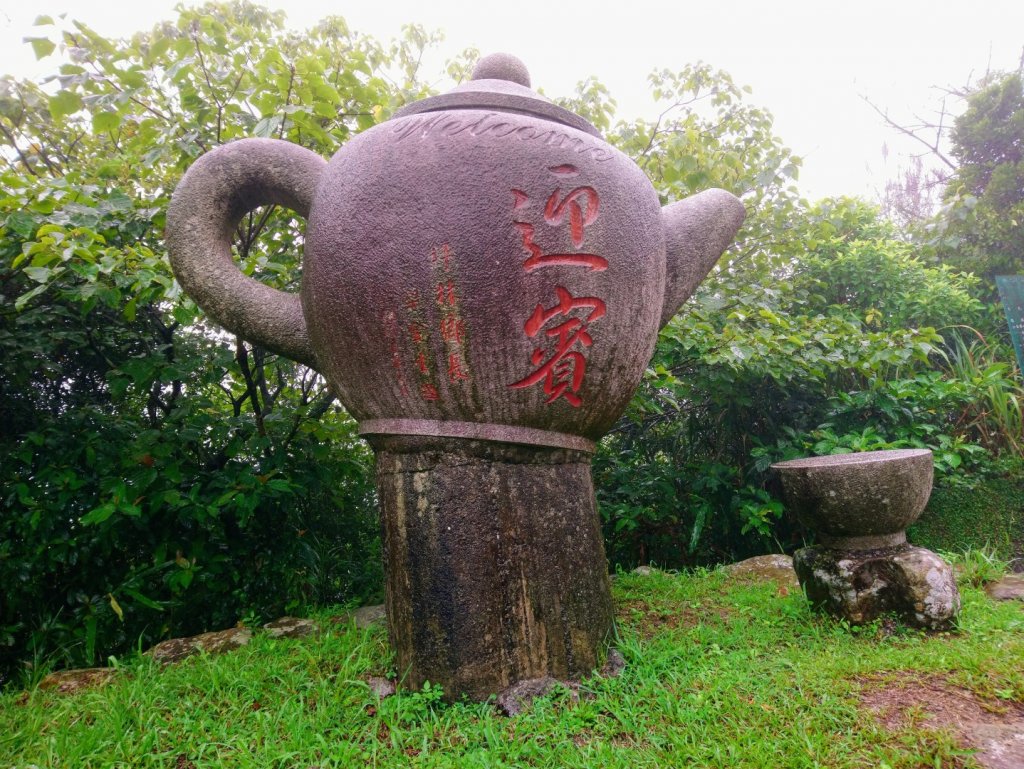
[989, 515]
[720, 673]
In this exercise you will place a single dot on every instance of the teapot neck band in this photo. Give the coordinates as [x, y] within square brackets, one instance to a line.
[483, 431]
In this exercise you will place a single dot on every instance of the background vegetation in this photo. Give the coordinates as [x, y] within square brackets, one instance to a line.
[160, 477]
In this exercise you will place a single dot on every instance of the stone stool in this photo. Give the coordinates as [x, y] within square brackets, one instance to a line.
[860, 505]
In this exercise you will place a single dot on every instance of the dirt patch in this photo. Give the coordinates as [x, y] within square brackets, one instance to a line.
[993, 728]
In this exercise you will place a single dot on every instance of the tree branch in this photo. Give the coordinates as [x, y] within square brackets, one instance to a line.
[933, 147]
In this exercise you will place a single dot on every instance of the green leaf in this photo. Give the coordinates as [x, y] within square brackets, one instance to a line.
[38, 274]
[64, 103]
[102, 122]
[41, 46]
[144, 600]
[98, 514]
[132, 78]
[116, 607]
[24, 299]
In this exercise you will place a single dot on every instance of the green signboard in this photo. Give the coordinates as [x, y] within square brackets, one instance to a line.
[1011, 291]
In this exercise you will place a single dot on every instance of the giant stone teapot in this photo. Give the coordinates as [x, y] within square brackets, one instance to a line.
[483, 283]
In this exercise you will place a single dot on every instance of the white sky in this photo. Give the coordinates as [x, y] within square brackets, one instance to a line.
[810, 63]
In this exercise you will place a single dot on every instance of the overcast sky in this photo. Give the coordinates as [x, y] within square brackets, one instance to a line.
[810, 63]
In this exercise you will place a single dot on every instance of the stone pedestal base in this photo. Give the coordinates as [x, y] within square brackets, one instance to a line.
[495, 566]
[861, 585]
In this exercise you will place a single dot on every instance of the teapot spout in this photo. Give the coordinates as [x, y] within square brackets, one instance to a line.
[697, 231]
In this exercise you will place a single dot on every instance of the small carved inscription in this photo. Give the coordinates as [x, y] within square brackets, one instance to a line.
[452, 327]
[423, 319]
[418, 334]
[448, 124]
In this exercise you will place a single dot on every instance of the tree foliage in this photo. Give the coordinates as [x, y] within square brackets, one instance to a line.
[818, 333]
[985, 216]
[158, 475]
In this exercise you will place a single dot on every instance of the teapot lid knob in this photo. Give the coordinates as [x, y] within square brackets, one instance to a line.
[502, 66]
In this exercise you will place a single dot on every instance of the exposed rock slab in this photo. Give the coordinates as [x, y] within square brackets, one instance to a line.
[861, 586]
[72, 681]
[777, 567]
[381, 686]
[1009, 588]
[217, 642]
[291, 627]
[365, 616]
[518, 697]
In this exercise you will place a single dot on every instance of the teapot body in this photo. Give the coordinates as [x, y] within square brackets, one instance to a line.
[483, 268]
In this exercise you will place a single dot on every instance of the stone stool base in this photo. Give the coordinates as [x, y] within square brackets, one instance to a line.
[862, 585]
[495, 565]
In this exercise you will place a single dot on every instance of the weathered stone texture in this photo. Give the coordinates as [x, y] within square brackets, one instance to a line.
[1009, 588]
[859, 501]
[73, 681]
[216, 642]
[777, 567]
[291, 627]
[911, 582]
[496, 570]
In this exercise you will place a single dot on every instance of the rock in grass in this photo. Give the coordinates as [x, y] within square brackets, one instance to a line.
[382, 687]
[217, 642]
[1009, 588]
[861, 586]
[614, 664]
[776, 566]
[519, 696]
[72, 681]
[365, 616]
[291, 627]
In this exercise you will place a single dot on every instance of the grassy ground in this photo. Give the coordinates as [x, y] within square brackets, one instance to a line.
[988, 516]
[721, 673]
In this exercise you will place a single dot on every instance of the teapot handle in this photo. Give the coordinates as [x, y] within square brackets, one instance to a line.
[209, 202]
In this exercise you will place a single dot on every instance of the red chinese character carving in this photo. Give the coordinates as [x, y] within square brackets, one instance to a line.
[442, 256]
[416, 332]
[563, 372]
[455, 372]
[412, 299]
[428, 392]
[453, 329]
[446, 294]
[539, 259]
[578, 218]
[421, 363]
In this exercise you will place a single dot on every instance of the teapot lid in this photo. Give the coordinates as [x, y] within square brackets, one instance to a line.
[500, 82]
